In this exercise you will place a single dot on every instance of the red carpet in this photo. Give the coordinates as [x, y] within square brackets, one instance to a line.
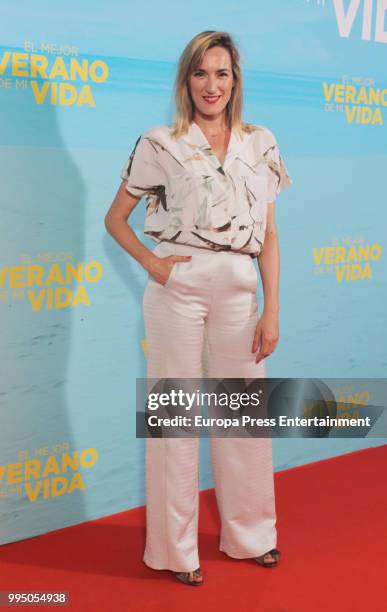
[332, 535]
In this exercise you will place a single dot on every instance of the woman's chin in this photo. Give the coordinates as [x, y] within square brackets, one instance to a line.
[210, 110]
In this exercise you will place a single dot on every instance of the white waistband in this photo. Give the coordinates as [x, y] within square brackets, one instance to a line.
[178, 248]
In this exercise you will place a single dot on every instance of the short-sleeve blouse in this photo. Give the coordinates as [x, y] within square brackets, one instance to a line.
[193, 199]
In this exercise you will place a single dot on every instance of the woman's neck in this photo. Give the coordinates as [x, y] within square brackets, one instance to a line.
[212, 126]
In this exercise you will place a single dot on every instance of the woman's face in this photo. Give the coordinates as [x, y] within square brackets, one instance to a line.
[211, 84]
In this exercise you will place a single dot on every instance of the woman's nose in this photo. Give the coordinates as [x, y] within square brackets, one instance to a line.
[211, 86]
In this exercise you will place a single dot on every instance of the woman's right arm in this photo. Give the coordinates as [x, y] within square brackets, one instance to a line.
[116, 223]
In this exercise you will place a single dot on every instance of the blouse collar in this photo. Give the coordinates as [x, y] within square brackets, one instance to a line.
[196, 138]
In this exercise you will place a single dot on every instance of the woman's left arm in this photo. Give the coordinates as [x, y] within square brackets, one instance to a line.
[267, 330]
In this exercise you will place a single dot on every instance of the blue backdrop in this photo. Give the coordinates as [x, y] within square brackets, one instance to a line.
[78, 84]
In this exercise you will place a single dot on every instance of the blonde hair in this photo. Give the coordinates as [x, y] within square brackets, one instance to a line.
[189, 61]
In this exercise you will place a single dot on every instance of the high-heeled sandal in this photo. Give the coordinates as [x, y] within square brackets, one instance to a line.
[185, 577]
[274, 553]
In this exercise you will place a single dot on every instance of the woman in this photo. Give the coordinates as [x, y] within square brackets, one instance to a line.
[210, 181]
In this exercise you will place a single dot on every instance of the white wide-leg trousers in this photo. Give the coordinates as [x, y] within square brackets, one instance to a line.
[202, 323]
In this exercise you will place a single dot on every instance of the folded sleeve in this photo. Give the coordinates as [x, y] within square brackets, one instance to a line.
[143, 171]
[278, 175]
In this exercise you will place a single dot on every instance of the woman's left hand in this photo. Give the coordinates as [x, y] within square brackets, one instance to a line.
[266, 335]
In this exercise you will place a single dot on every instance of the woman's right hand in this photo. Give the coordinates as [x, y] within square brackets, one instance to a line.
[161, 267]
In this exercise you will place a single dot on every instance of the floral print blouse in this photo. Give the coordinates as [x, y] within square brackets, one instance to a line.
[193, 199]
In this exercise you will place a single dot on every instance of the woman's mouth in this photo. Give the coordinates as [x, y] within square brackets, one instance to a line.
[211, 99]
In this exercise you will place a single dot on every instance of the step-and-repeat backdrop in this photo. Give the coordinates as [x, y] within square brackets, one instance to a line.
[78, 84]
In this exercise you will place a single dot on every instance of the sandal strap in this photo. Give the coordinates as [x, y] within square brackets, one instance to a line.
[185, 575]
[262, 561]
